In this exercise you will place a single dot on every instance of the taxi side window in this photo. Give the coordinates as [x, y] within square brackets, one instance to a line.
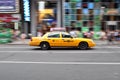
[66, 36]
[54, 35]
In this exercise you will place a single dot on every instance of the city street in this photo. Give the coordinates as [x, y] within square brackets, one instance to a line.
[23, 62]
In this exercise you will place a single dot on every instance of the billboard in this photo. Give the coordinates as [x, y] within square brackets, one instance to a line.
[9, 6]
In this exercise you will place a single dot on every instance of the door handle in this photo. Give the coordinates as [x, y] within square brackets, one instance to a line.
[66, 40]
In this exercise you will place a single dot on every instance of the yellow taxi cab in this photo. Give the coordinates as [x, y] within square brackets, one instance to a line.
[61, 39]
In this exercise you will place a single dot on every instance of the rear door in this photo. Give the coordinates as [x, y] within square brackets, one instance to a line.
[54, 39]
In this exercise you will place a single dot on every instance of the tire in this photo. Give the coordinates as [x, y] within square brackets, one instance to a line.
[45, 46]
[83, 45]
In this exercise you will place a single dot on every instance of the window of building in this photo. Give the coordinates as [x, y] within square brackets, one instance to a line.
[67, 11]
[84, 5]
[85, 23]
[91, 23]
[91, 17]
[79, 17]
[85, 17]
[85, 0]
[106, 18]
[116, 5]
[79, 11]
[91, 0]
[90, 5]
[91, 11]
[85, 11]
[97, 5]
[66, 0]
[73, 17]
[117, 1]
[67, 5]
[96, 11]
[97, 0]
[75, 0]
[73, 11]
[78, 5]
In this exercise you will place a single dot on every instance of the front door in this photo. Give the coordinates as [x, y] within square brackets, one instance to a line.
[67, 40]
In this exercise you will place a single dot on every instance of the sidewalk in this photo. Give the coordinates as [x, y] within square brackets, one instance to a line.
[20, 42]
[98, 42]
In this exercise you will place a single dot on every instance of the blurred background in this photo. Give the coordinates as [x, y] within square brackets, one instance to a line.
[96, 19]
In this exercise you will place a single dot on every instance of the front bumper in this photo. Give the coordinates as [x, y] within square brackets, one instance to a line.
[92, 44]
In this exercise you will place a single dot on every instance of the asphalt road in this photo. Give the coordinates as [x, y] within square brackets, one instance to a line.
[23, 62]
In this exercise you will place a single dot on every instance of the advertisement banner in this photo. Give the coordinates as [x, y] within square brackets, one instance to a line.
[9, 6]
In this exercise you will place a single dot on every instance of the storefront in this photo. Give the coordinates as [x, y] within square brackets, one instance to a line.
[85, 15]
[45, 14]
[9, 19]
[9, 14]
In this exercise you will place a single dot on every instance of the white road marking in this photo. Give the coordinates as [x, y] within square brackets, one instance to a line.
[70, 63]
[17, 47]
[61, 52]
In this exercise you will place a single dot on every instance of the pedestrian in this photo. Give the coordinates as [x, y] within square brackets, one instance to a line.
[110, 37]
[39, 33]
[116, 34]
[102, 35]
[23, 36]
[73, 33]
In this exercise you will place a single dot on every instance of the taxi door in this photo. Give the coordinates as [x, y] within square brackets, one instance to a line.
[67, 40]
[54, 39]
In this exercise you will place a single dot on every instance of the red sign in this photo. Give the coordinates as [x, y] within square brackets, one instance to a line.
[8, 18]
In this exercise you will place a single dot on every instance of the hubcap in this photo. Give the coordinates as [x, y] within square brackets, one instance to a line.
[83, 46]
[44, 45]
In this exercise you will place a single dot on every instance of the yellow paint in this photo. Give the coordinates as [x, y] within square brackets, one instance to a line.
[60, 42]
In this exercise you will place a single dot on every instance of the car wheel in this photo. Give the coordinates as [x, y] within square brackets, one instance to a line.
[83, 45]
[44, 46]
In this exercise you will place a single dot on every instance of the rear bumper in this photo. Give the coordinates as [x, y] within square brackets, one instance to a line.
[33, 43]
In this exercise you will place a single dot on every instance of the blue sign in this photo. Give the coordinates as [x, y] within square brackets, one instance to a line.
[26, 6]
[9, 6]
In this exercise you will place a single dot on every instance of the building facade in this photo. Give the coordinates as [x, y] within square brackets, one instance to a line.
[85, 15]
[10, 15]
[92, 14]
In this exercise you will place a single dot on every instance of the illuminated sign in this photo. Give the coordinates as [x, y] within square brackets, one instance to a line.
[9, 6]
[26, 6]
